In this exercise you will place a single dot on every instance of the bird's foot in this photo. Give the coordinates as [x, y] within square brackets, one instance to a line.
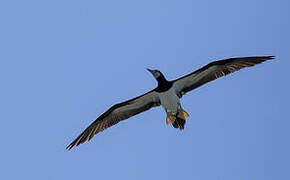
[171, 117]
[182, 113]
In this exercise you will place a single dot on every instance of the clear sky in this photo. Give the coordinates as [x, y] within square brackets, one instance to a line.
[64, 62]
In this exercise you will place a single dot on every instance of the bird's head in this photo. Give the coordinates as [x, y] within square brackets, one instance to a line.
[156, 73]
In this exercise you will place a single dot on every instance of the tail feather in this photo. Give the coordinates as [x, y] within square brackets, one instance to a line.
[179, 123]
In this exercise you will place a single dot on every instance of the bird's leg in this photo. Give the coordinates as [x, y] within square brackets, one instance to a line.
[171, 117]
[182, 113]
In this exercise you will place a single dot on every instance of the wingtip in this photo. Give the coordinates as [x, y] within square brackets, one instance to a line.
[69, 147]
[270, 57]
[264, 58]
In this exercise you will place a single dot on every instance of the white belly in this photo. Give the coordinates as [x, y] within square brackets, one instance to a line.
[169, 100]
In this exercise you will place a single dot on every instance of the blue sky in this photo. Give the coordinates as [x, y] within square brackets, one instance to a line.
[64, 62]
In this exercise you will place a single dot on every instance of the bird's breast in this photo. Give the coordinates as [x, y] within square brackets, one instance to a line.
[169, 100]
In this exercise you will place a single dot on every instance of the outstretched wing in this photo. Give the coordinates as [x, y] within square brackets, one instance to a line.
[117, 113]
[215, 70]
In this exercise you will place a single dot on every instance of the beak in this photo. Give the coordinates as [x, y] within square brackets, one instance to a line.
[150, 70]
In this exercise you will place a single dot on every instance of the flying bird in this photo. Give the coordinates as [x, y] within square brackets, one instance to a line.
[167, 94]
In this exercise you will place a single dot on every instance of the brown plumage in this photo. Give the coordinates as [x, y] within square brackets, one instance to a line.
[151, 99]
[215, 70]
[116, 114]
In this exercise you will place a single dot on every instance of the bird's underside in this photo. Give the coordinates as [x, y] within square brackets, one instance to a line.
[176, 89]
[175, 113]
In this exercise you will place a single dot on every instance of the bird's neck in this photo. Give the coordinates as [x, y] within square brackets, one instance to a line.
[163, 84]
[161, 79]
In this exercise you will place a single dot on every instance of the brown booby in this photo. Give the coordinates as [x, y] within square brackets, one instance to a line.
[168, 94]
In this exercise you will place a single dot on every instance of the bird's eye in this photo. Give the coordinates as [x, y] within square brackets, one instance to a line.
[157, 74]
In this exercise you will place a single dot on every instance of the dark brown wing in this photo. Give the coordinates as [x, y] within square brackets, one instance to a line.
[215, 70]
[116, 114]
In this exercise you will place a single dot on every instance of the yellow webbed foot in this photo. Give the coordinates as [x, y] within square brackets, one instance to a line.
[185, 114]
[182, 111]
[170, 118]
[180, 115]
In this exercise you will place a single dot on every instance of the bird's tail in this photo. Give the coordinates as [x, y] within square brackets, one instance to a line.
[178, 121]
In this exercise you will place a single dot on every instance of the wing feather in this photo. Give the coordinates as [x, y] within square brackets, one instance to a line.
[215, 70]
[117, 113]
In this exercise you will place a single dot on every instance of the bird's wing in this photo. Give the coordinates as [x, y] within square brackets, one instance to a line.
[117, 113]
[215, 70]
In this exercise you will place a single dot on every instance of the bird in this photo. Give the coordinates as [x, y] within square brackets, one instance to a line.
[168, 95]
